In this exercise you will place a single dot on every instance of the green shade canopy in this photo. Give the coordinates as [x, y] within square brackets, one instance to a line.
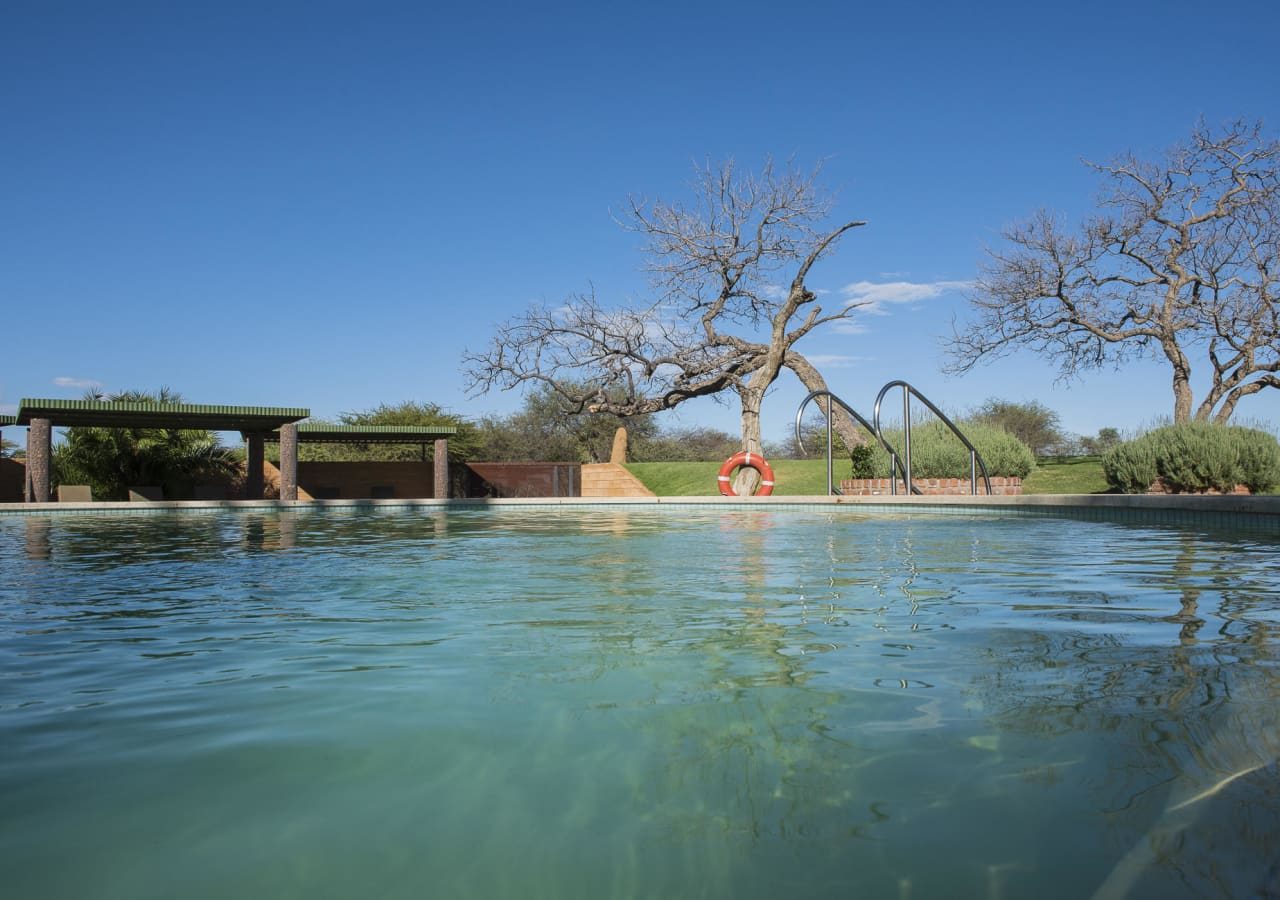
[103, 413]
[8, 420]
[319, 433]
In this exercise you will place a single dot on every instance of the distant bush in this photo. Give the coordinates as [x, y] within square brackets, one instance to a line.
[1105, 439]
[937, 453]
[1194, 457]
[1031, 422]
[689, 444]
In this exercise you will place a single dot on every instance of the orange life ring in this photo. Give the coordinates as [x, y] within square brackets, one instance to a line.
[755, 461]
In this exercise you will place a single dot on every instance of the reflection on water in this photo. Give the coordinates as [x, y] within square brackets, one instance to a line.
[634, 703]
[36, 530]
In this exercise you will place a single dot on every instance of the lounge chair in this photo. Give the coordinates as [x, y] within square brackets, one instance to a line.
[75, 493]
[146, 493]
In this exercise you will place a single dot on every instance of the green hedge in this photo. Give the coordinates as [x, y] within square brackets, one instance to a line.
[937, 453]
[1194, 457]
[1130, 467]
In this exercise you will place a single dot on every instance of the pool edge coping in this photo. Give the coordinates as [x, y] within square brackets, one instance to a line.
[1232, 503]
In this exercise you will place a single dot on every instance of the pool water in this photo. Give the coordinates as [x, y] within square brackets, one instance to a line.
[658, 702]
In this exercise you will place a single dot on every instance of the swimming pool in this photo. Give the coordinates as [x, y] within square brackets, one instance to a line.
[561, 702]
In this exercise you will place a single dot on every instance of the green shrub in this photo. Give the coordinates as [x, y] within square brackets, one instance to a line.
[863, 459]
[1259, 460]
[937, 453]
[1130, 467]
[1195, 457]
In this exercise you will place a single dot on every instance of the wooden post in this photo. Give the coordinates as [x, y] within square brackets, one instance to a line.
[289, 461]
[440, 470]
[254, 467]
[39, 450]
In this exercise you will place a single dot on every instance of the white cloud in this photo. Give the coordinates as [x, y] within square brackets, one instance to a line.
[877, 295]
[835, 360]
[848, 326]
[82, 383]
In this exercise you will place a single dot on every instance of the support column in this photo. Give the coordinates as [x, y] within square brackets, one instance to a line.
[39, 449]
[289, 461]
[253, 467]
[440, 471]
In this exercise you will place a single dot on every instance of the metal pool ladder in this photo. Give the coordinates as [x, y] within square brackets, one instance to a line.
[896, 465]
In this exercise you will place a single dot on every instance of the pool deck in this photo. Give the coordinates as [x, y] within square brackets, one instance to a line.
[1259, 514]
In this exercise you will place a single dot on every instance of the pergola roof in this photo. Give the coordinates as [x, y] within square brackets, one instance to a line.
[320, 433]
[105, 413]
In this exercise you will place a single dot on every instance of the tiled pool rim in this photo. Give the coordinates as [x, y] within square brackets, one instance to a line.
[1254, 514]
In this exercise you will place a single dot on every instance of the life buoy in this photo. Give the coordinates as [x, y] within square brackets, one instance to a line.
[755, 461]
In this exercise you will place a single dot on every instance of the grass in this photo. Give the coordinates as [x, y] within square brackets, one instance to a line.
[1067, 475]
[800, 477]
[698, 479]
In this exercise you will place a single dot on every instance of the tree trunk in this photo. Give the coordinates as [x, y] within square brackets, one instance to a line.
[1182, 401]
[1182, 398]
[747, 479]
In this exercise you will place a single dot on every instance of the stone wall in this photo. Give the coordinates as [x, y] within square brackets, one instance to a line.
[870, 487]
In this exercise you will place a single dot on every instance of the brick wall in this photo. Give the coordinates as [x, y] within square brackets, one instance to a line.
[1159, 487]
[867, 487]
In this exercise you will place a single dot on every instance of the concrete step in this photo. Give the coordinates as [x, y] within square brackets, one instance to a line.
[611, 480]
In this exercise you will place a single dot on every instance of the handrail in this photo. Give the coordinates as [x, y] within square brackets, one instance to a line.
[832, 398]
[975, 458]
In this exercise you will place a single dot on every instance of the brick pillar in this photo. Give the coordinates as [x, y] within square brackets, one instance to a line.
[289, 462]
[253, 468]
[39, 449]
[440, 471]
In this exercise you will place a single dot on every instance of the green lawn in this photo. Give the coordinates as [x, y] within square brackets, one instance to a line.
[698, 479]
[1081, 475]
[1070, 475]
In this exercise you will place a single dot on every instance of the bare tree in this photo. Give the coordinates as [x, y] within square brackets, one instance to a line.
[1182, 260]
[719, 320]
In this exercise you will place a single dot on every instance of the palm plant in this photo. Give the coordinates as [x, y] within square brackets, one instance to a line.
[110, 460]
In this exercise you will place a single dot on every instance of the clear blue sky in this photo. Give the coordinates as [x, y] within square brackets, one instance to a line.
[323, 204]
